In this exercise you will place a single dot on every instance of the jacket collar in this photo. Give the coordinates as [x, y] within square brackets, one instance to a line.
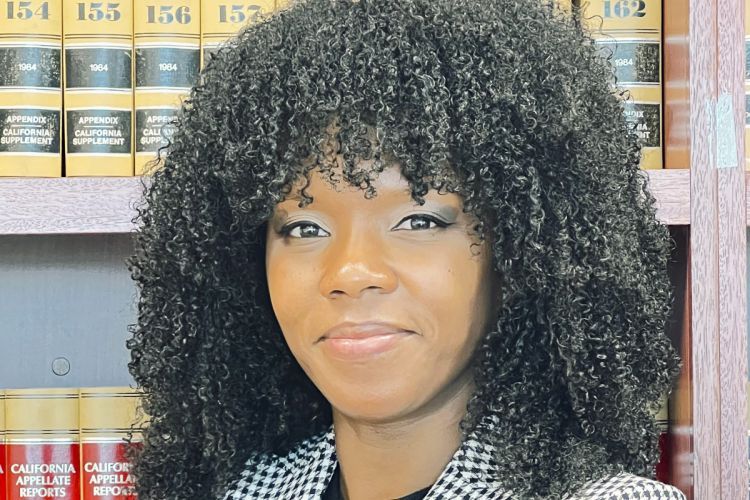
[306, 470]
[467, 474]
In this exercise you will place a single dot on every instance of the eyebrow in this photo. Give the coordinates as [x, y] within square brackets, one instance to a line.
[294, 195]
[448, 212]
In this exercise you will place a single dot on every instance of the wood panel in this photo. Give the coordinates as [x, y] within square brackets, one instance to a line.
[671, 188]
[68, 205]
[717, 218]
[730, 162]
[704, 238]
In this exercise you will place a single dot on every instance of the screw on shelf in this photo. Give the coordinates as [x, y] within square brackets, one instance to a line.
[60, 366]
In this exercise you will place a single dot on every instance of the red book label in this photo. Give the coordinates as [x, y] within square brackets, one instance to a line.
[106, 472]
[3, 468]
[664, 466]
[43, 471]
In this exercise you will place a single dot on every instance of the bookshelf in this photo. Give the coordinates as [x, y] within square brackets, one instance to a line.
[68, 205]
[80, 228]
[704, 122]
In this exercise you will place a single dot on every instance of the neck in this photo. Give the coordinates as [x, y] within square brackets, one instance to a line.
[393, 458]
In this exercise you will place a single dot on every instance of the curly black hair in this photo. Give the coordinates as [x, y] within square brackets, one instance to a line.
[505, 102]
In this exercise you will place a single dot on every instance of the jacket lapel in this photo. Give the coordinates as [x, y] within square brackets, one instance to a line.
[308, 468]
[466, 476]
[304, 473]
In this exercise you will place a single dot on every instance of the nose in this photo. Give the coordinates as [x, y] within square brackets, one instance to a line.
[356, 262]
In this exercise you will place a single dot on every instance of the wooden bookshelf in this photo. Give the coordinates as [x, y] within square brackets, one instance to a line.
[703, 61]
[68, 205]
[703, 65]
[81, 205]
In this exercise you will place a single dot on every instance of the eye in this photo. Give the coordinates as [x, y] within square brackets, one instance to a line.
[420, 222]
[306, 229]
[303, 229]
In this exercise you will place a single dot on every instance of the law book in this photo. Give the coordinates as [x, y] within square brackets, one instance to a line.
[107, 415]
[42, 445]
[629, 33]
[98, 83]
[30, 88]
[221, 21]
[664, 466]
[3, 465]
[167, 62]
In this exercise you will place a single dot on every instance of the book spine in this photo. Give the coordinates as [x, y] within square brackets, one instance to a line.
[221, 21]
[167, 61]
[664, 466]
[631, 33]
[42, 443]
[98, 83]
[30, 88]
[106, 417]
[3, 464]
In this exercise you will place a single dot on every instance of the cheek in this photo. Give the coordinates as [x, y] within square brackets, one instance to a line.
[290, 289]
[452, 287]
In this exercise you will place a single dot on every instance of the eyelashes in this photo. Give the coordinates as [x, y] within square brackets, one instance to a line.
[417, 222]
[288, 229]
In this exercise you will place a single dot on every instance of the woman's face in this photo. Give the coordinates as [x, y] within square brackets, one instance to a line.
[399, 284]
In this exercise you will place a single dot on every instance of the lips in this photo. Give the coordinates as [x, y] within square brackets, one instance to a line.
[354, 331]
[357, 341]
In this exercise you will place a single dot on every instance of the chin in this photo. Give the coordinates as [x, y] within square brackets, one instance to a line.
[384, 416]
[375, 409]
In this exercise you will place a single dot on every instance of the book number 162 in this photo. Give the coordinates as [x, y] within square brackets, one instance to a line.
[624, 8]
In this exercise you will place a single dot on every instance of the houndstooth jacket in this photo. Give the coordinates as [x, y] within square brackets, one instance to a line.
[304, 474]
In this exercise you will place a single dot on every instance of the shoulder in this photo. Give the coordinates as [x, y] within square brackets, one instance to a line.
[625, 485]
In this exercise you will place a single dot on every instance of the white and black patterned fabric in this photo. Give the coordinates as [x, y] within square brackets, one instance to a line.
[304, 474]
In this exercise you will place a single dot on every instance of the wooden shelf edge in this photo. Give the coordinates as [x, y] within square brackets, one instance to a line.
[68, 205]
[86, 205]
[671, 188]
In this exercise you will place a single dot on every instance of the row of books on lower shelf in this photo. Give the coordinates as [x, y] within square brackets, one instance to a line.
[68, 444]
[71, 444]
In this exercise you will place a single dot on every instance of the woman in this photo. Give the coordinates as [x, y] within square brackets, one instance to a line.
[402, 250]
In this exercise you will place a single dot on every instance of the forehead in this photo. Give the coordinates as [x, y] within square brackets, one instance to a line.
[328, 187]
